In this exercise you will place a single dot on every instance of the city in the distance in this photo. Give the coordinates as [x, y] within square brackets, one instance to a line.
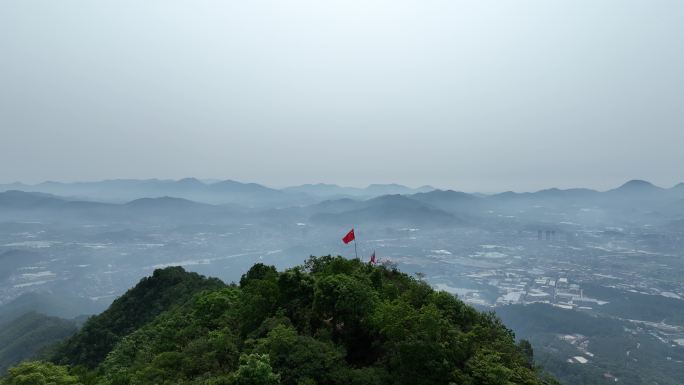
[591, 278]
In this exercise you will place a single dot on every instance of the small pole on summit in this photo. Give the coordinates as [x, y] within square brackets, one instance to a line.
[355, 252]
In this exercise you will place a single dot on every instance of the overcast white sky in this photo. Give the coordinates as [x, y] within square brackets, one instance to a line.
[480, 95]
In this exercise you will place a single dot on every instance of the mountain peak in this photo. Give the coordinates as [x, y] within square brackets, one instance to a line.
[393, 199]
[150, 297]
[638, 184]
[22, 198]
[376, 185]
[229, 183]
[165, 201]
[190, 181]
[444, 194]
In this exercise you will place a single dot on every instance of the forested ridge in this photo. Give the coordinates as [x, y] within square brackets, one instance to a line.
[331, 321]
[30, 335]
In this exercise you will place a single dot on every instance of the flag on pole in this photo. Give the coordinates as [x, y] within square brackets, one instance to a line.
[349, 237]
[372, 258]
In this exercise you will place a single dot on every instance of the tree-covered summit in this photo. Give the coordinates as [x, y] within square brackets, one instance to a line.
[332, 321]
[152, 296]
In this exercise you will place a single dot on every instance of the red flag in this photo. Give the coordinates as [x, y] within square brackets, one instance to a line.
[349, 237]
[372, 260]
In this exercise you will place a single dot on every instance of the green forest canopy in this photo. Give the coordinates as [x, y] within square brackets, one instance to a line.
[332, 321]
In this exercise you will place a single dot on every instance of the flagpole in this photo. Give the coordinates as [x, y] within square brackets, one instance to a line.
[355, 252]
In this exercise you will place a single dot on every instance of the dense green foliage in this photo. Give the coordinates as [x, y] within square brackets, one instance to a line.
[152, 296]
[25, 336]
[332, 321]
[39, 373]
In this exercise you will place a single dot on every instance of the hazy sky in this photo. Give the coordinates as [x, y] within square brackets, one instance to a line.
[474, 95]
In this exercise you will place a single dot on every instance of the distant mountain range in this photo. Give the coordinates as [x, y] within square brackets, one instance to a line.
[26, 206]
[333, 191]
[387, 209]
[257, 195]
[125, 190]
[223, 192]
[636, 192]
[248, 202]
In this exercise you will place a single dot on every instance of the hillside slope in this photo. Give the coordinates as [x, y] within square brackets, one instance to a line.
[332, 321]
[25, 336]
[152, 296]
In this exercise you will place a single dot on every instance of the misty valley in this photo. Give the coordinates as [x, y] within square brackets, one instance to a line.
[592, 279]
